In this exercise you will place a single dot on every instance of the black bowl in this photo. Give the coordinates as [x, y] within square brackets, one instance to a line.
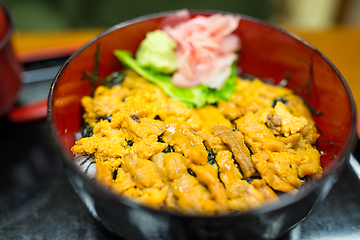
[267, 52]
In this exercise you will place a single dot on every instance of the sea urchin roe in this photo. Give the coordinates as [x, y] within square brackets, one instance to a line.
[235, 141]
[155, 150]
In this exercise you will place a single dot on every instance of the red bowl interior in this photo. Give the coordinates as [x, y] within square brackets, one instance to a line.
[267, 52]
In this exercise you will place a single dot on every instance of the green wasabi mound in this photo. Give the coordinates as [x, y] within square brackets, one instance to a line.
[156, 51]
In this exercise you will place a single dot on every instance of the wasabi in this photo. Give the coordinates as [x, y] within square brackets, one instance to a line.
[156, 52]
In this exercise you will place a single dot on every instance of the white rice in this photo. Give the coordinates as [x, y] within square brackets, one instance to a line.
[86, 164]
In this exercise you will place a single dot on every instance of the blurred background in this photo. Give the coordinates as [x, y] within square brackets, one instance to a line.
[49, 29]
[68, 14]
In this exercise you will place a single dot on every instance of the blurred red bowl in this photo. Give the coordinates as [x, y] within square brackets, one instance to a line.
[10, 67]
[268, 52]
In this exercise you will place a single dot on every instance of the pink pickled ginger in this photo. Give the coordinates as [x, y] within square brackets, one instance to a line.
[206, 49]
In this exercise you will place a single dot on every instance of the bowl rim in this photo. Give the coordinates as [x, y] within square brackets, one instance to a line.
[10, 18]
[286, 200]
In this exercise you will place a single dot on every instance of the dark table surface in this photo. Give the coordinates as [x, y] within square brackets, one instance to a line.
[37, 201]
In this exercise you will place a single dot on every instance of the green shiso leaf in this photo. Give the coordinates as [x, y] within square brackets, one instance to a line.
[192, 97]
